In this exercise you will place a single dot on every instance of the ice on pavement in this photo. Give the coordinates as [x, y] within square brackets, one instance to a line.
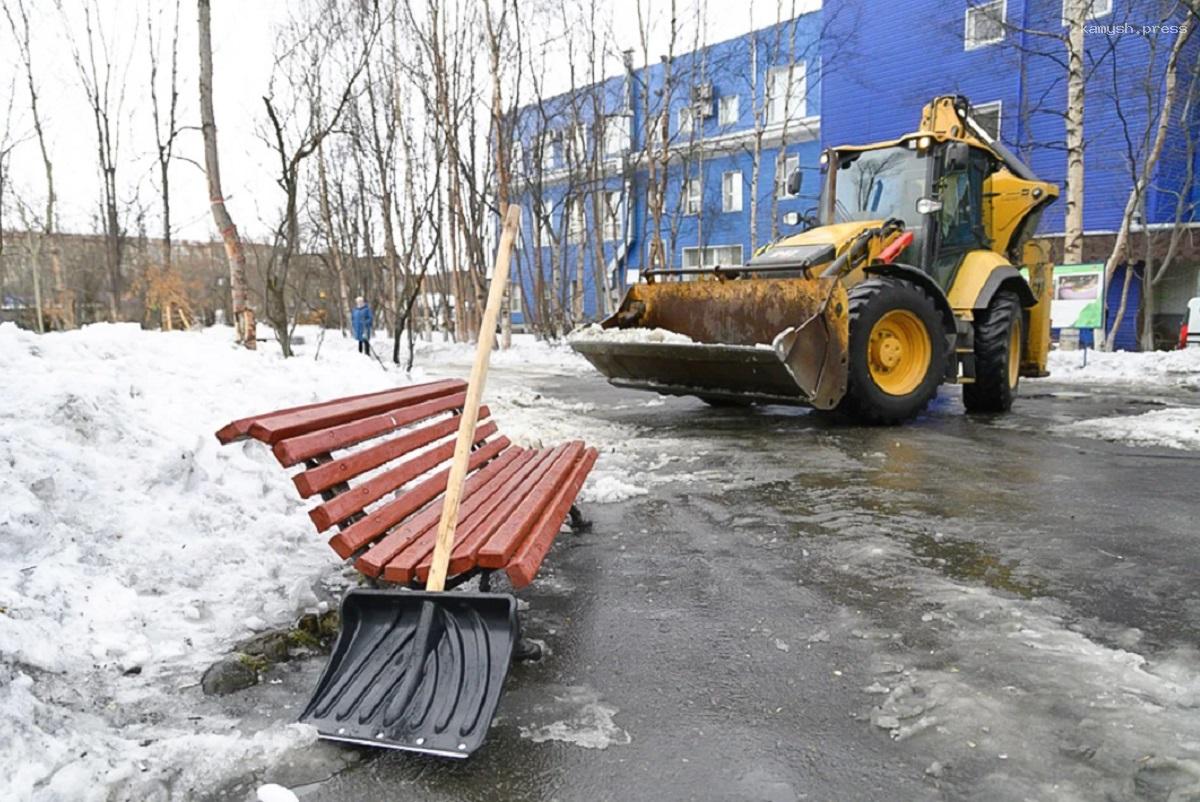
[594, 332]
[134, 550]
[578, 717]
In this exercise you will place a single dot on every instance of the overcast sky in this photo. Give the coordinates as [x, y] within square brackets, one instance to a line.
[243, 35]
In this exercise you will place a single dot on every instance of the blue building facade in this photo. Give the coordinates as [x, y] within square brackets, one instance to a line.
[743, 113]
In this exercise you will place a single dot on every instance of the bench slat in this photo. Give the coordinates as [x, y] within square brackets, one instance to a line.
[365, 493]
[378, 521]
[473, 533]
[422, 527]
[273, 428]
[295, 450]
[524, 565]
[240, 429]
[343, 469]
[499, 548]
[402, 567]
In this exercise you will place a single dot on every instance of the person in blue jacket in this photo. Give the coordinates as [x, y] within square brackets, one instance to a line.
[361, 323]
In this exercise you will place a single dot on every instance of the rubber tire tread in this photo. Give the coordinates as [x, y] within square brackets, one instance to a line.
[990, 393]
[869, 299]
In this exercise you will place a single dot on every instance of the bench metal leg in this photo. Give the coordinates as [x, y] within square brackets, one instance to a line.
[576, 520]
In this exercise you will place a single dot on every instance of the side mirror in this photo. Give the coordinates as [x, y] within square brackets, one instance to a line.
[928, 206]
[956, 156]
[793, 182]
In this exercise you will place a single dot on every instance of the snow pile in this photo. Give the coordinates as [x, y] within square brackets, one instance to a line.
[1169, 368]
[594, 333]
[527, 352]
[1174, 427]
[134, 549]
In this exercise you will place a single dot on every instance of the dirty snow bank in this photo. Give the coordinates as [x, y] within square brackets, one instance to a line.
[595, 333]
[527, 352]
[134, 550]
[1147, 369]
[1174, 427]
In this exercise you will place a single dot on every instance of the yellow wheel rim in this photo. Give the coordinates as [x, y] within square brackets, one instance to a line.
[1014, 353]
[899, 352]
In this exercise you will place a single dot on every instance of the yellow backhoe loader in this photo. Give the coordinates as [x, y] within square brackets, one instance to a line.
[910, 277]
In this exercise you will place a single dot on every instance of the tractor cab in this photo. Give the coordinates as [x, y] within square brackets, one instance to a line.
[935, 188]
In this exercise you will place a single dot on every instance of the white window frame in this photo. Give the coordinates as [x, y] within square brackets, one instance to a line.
[709, 256]
[727, 110]
[548, 156]
[996, 105]
[980, 8]
[576, 219]
[1096, 10]
[616, 135]
[613, 206]
[685, 121]
[693, 198]
[731, 191]
[578, 143]
[794, 103]
[545, 219]
[514, 296]
[790, 163]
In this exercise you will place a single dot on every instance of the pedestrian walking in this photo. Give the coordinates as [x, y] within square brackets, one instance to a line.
[362, 322]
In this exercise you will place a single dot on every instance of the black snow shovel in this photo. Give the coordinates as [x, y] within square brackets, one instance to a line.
[423, 671]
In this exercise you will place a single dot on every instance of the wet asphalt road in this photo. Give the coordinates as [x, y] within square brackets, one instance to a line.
[962, 608]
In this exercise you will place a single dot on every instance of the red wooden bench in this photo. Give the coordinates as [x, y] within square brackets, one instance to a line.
[376, 462]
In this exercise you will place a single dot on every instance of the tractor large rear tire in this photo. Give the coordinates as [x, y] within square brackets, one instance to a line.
[897, 351]
[998, 336]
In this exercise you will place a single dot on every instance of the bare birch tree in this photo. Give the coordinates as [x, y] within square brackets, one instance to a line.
[243, 312]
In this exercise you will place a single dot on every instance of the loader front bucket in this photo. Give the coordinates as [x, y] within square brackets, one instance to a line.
[416, 671]
[767, 340]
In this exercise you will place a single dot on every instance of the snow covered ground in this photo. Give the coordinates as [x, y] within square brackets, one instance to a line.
[1155, 372]
[134, 550]
[1142, 369]
[132, 546]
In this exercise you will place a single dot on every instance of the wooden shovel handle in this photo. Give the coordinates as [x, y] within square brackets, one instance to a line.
[470, 413]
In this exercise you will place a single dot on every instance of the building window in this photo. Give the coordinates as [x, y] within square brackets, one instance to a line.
[988, 117]
[514, 297]
[984, 24]
[1093, 9]
[686, 117]
[790, 165]
[518, 159]
[576, 222]
[731, 192]
[727, 113]
[547, 148]
[612, 215]
[545, 220]
[787, 88]
[691, 189]
[616, 135]
[577, 145]
[725, 255]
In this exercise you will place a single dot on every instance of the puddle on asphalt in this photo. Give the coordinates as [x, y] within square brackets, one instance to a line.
[969, 561]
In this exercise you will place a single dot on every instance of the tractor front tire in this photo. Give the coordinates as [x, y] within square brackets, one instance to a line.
[999, 333]
[897, 351]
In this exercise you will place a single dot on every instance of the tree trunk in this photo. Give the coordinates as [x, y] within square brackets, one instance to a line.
[243, 313]
[1073, 222]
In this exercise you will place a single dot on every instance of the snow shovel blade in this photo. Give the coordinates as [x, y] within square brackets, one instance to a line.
[416, 671]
